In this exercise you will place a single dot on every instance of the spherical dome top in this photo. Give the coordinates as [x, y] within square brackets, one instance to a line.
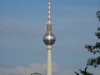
[49, 39]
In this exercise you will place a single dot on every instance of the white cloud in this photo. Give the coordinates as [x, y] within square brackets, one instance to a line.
[27, 70]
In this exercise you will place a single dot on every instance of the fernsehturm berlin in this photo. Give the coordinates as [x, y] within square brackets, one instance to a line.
[49, 39]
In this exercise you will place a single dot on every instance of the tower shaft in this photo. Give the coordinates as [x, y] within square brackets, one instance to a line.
[49, 60]
[49, 48]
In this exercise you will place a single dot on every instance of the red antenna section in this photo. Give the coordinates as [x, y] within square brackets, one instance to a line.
[49, 21]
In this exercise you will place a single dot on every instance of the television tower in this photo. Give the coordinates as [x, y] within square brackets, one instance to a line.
[49, 39]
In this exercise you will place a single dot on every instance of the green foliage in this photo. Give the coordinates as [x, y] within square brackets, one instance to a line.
[98, 15]
[98, 33]
[84, 72]
[93, 49]
[94, 61]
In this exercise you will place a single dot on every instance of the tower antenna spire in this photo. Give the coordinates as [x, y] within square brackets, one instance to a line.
[49, 18]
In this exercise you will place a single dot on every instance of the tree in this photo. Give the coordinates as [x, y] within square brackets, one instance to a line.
[93, 49]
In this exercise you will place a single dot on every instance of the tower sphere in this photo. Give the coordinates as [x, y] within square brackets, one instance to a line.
[49, 39]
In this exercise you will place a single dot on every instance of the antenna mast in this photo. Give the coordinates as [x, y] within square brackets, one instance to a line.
[49, 18]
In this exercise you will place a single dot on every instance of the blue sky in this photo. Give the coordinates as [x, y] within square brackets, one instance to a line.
[22, 27]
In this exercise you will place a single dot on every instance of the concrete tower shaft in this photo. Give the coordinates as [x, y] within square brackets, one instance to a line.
[49, 60]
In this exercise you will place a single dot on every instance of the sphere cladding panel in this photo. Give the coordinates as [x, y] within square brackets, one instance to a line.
[49, 39]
